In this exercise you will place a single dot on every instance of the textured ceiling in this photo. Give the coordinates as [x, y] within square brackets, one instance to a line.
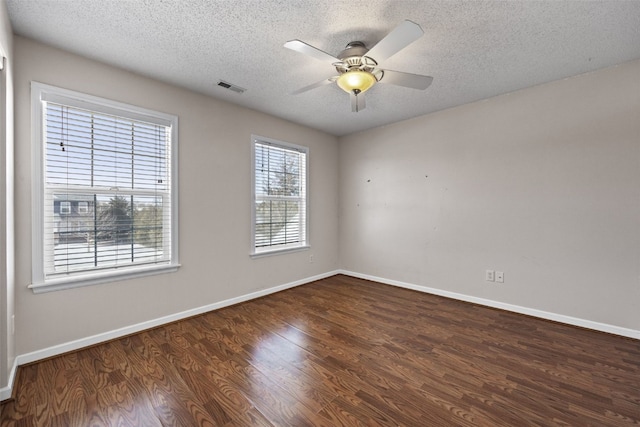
[473, 49]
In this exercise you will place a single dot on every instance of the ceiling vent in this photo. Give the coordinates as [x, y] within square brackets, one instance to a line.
[230, 86]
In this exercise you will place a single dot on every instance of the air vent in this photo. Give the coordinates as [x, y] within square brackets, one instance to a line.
[230, 86]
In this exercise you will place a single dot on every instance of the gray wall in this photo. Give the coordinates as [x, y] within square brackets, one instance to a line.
[215, 206]
[542, 184]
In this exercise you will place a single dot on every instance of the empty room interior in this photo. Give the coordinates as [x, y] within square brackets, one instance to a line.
[319, 213]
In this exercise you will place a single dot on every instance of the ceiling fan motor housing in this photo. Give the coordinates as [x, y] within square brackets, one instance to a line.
[354, 58]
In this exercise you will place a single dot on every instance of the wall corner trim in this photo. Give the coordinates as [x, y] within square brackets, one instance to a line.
[34, 356]
[6, 391]
[561, 318]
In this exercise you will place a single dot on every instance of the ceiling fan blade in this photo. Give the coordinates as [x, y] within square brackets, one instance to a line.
[415, 81]
[315, 85]
[357, 102]
[307, 49]
[399, 38]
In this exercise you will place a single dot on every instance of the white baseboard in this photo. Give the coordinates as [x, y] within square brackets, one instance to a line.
[602, 327]
[5, 392]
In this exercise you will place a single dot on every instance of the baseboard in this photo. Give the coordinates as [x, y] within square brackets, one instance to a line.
[5, 392]
[583, 323]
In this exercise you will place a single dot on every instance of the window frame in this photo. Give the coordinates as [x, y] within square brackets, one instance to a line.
[41, 93]
[83, 207]
[269, 250]
[65, 208]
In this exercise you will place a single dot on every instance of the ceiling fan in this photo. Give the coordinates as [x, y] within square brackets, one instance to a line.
[358, 67]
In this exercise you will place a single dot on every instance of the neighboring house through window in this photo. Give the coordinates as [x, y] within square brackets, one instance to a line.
[279, 211]
[105, 193]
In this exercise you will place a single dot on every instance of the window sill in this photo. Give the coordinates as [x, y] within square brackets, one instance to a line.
[279, 251]
[98, 278]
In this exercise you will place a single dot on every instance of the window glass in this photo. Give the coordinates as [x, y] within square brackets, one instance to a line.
[280, 202]
[83, 207]
[109, 169]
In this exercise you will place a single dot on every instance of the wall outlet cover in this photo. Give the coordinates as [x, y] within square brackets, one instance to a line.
[489, 276]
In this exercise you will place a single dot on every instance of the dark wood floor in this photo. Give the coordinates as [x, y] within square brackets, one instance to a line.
[340, 351]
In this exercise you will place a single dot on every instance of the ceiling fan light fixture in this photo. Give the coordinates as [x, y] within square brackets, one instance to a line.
[356, 81]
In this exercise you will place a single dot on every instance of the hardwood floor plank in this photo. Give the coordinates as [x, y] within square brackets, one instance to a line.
[340, 352]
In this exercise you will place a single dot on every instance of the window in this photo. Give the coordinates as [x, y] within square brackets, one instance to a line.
[280, 196]
[65, 208]
[83, 207]
[104, 196]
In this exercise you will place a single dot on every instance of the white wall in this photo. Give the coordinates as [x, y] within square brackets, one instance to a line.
[215, 206]
[543, 184]
[7, 350]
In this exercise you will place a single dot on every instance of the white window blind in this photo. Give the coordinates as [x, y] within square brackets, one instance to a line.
[280, 203]
[106, 190]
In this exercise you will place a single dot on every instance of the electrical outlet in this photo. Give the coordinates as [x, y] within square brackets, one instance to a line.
[311, 258]
[489, 276]
[500, 276]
